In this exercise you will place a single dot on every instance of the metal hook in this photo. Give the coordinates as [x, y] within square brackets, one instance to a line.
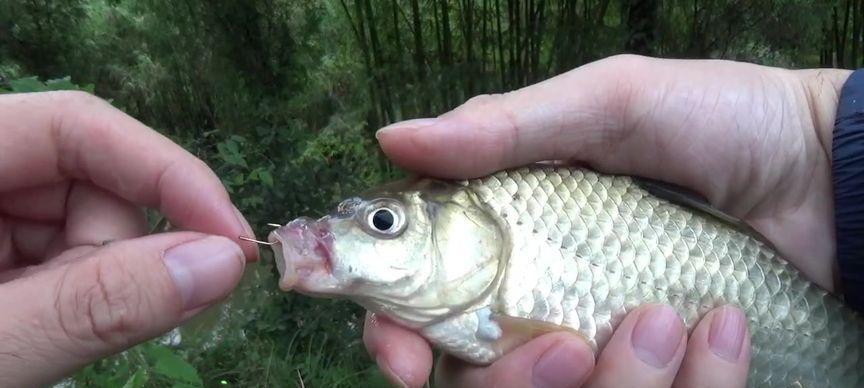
[250, 239]
[244, 238]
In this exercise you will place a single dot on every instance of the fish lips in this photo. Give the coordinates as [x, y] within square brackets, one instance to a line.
[304, 256]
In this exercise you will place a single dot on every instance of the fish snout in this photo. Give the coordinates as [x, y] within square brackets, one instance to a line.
[303, 250]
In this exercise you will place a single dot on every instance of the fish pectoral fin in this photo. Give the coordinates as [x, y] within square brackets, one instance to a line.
[516, 331]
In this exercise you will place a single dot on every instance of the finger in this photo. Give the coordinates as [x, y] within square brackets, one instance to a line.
[552, 360]
[75, 135]
[8, 256]
[596, 113]
[645, 351]
[43, 203]
[620, 114]
[118, 296]
[718, 352]
[402, 355]
[95, 216]
[32, 240]
[57, 260]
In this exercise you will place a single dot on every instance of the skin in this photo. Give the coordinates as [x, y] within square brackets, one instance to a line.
[754, 141]
[77, 174]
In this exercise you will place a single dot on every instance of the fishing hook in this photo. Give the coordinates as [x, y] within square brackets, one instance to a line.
[250, 239]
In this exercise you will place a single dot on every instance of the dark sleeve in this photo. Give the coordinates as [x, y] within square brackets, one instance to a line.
[848, 171]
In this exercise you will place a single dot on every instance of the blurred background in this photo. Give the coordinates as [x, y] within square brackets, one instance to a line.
[282, 99]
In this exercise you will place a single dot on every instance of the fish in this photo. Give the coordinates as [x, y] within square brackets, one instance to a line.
[482, 265]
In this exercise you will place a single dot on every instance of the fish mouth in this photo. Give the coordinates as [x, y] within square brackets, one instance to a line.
[304, 256]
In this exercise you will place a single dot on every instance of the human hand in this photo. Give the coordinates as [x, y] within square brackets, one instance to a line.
[754, 141]
[650, 349]
[76, 174]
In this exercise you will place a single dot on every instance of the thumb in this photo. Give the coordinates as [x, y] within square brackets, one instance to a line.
[62, 318]
[582, 112]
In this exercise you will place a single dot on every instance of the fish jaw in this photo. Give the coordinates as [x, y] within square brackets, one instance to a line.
[303, 251]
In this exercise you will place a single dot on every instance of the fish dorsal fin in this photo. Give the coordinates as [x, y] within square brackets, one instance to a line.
[687, 198]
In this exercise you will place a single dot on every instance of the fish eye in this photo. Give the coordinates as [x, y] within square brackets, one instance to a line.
[384, 218]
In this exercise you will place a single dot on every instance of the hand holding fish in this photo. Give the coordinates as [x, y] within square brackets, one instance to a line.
[754, 141]
[77, 280]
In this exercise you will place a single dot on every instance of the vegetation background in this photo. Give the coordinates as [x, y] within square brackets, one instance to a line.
[282, 98]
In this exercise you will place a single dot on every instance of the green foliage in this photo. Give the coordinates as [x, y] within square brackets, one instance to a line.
[173, 367]
[145, 365]
[33, 84]
[281, 98]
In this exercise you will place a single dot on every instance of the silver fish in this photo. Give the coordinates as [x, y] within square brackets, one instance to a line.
[475, 265]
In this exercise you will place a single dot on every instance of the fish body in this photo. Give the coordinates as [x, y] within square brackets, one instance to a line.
[469, 264]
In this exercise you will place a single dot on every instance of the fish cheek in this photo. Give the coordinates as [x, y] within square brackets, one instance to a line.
[355, 257]
[368, 260]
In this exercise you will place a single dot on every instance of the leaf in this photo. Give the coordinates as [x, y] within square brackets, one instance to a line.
[230, 153]
[223, 150]
[232, 146]
[27, 85]
[137, 380]
[239, 180]
[33, 84]
[60, 84]
[173, 366]
[266, 178]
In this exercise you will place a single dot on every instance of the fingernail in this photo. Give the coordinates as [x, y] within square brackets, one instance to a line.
[390, 373]
[563, 365]
[243, 223]
[247, 231]
[657, 334]
[402, 125]
[204, 270]
[726, 336]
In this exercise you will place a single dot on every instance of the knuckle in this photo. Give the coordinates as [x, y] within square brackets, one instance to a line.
[621, 99]
[625, 70]
[490, 104]
[484, 99]
[70, 127]
[483, 103]
[501, 136]
[98, 301]
[74, 98]
[624, 62]
[202, 167]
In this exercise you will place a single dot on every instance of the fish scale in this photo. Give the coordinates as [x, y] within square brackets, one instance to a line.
[589, 248]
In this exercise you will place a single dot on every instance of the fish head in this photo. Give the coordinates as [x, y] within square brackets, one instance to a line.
[415, 253]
